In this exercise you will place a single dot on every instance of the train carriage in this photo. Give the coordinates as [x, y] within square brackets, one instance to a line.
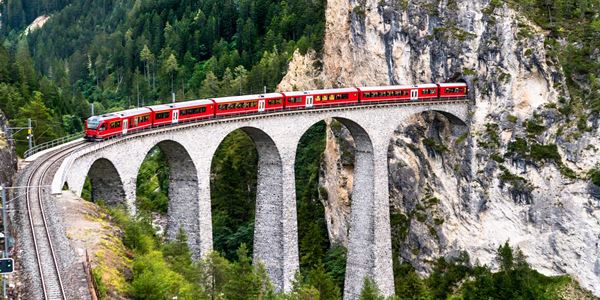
[236, 105]
[117, 123]
[386, 93]
[453, 90]
[307, 99]
[425, 91]
[165, 114]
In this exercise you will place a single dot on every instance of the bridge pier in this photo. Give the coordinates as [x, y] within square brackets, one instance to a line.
[273, 222]
[291, 263]
[383, 273]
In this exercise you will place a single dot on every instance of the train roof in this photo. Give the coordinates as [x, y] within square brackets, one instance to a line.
[452, 84]
[132, 112]
[120, 114]
[247, 97]
[316, 92]
[179, 105]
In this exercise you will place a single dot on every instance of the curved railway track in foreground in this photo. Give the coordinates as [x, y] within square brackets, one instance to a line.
[47, 264]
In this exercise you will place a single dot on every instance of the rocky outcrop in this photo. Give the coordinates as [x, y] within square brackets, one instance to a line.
[336, 176]
[8, 157]
[516, 173]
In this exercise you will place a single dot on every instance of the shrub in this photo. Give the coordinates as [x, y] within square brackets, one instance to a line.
[595, 175]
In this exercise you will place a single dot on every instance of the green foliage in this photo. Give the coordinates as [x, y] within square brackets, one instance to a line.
[45, 126]
[408, 285]
[25, 94]
[534, 128]
[520, 148]
[323, 265]
[456, 278]
[119, 53]
[323, 282]
[515, 280]
[233, 193]
[545, 152]
[576, 23]
[152, 188]
[434, 145]
[248, 282]
[101, 288]
[490, 137]
[370, 291]
[595, 175]
[153, 278]
[335, 264]
[86, 192]
[447, 274]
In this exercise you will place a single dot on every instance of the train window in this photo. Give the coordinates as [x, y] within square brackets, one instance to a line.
[141, 119]
[192, 111]
[162, 115]
[294, 100]
[428, 91]
[102, 127]
[274, 101]
[331, 97]
[115, 124]
[455, 90]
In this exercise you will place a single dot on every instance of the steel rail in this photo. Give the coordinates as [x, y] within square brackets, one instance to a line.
[44, 167]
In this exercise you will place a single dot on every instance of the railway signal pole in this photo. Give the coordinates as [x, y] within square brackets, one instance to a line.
[29, 134]
[14, 130]
[5, 226]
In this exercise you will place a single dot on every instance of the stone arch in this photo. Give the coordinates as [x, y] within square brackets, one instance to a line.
[361, 236]
[453, 118]
[360, 255]
[183, 209]
[106, 182]
[268, 240]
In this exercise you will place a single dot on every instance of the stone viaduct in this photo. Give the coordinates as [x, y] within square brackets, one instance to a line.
[113, 165]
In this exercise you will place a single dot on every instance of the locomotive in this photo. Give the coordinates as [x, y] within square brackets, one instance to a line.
[124, 122]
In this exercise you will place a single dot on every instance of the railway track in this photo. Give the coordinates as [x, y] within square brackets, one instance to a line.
[50, 277]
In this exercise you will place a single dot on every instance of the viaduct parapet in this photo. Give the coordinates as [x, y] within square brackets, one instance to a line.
[113, 166]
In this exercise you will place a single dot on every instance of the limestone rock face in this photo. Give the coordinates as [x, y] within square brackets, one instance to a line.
[335, 179]
[8, 157]
[468, 186]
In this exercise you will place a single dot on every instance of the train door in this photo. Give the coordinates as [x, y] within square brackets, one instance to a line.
[414, 95]
[125, 126]
[175, 117]
[309, 101]
[261, 105]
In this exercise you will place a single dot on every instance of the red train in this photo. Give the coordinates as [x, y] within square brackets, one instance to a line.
[120, 123]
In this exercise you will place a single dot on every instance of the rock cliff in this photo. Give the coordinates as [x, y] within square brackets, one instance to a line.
[516, 172]
[8, 157]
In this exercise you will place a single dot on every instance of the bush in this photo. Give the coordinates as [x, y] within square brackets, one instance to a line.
[595, 175]
[545, 152]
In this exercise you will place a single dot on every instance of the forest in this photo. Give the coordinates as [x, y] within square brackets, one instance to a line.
[122, 54]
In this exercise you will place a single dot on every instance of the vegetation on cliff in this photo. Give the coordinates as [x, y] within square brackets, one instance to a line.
[573, 40]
